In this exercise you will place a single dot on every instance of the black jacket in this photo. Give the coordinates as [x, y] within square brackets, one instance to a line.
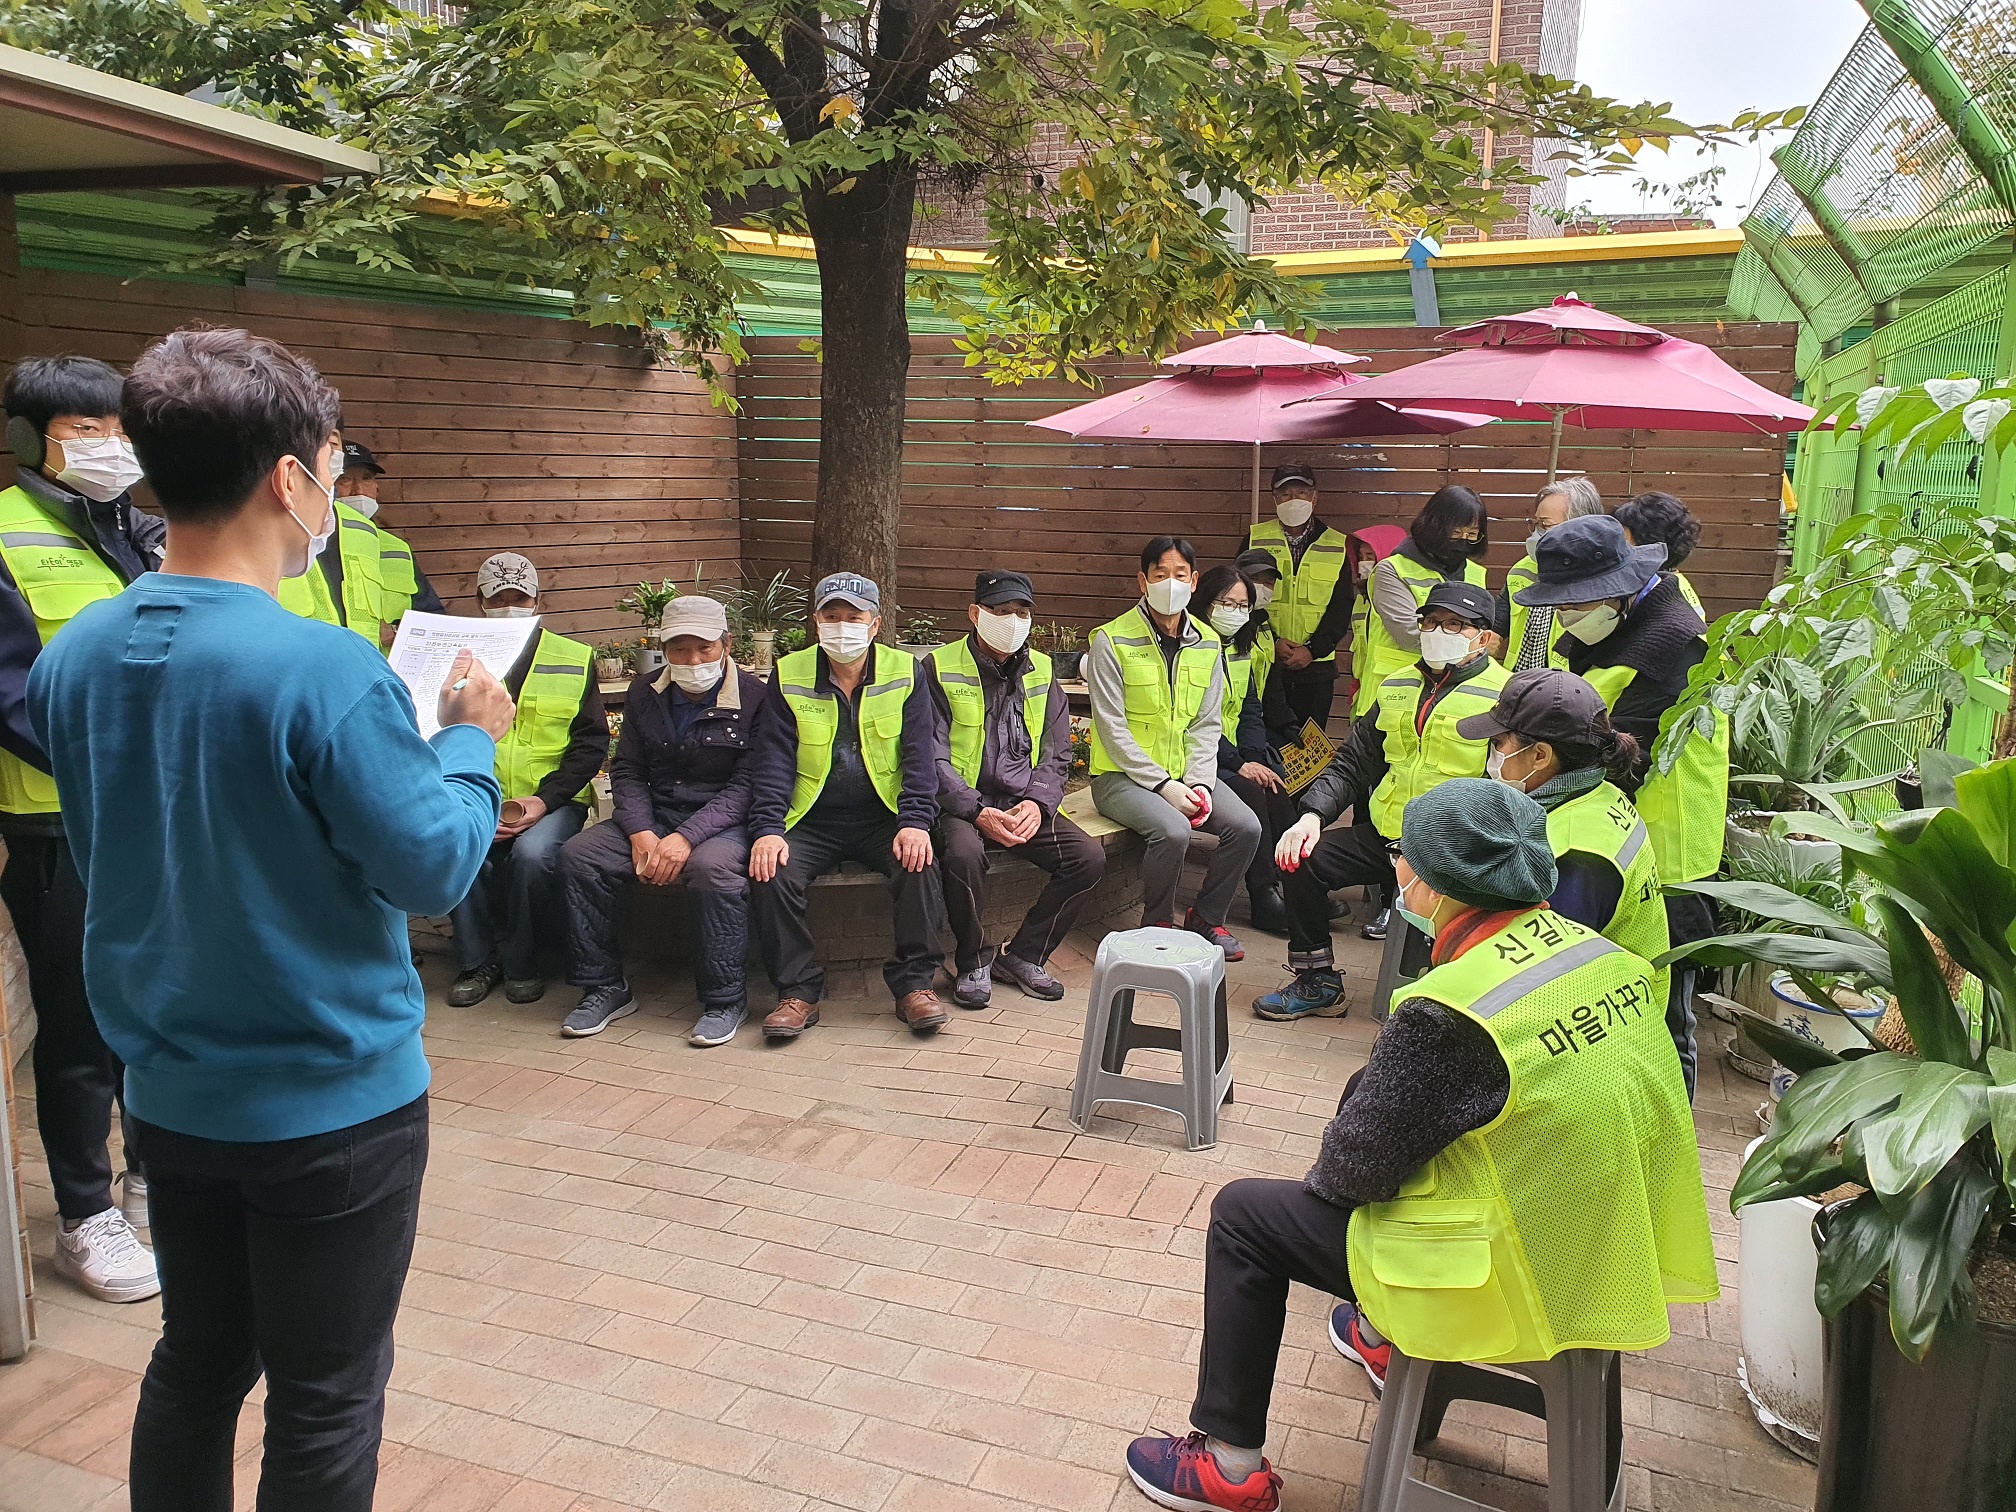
[697, 784]
[1663, 639]
[1361, 761]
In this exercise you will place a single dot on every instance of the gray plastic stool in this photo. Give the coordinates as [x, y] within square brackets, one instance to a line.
[1189, 969]
[1578, 1393]
[1404, 958]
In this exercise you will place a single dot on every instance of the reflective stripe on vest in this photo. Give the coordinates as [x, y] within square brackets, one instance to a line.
[959, 680]
[1384, 655]
[1602, 822]
[1574, 1217]
[1158, 717]
[309, 597]
[1524, 573]
[547, 704]
[58, 574]
[1687, 592]
[1687, 808]
[881, 724]
[1306, 588]
[1417, 762]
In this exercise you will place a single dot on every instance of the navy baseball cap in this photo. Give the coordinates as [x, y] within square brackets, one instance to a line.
[850, 587]
[1542, 703]
[1467, 599]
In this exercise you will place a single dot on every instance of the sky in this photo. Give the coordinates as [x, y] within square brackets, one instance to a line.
[1711, 59]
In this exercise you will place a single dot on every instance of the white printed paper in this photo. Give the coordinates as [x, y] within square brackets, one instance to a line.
[427, 645]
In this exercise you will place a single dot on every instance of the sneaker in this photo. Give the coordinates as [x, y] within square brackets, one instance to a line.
[600, 1007]
[1346, 1332]
[133, 1201]
[974, 988]
[1313, 994]
[524, 989]
[717, 1026]
[1032, 979]
[1375, 928]
[1217, 934]
[473, 986]
[1181, 1473]
[105, 1257]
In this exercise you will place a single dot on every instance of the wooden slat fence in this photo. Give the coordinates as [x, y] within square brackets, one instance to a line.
[982, 489]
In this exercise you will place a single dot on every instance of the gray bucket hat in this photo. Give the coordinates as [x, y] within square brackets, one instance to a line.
[1583, 560]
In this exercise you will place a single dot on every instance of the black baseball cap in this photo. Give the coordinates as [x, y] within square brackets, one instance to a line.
[1466, 599]
[1293, 472]
[992, 589]
[357, 458]
[1587, 559]
[1543, 703]
[1257, 562]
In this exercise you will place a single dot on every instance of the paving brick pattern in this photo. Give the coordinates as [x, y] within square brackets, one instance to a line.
[864, 1271]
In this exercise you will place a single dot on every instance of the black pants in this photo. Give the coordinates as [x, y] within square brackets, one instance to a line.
[77, 1077]
[1342, 858]
[1277, 811]
[1264, 1234]
[1310, 692]
[817, 846]
[1689, 917]
[285, 1257]
[595, 872]
[522, 874]
[1073, 858]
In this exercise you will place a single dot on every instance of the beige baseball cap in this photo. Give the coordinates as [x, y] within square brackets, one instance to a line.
[694, 614]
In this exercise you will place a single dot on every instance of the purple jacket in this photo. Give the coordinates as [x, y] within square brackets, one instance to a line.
[697, 783]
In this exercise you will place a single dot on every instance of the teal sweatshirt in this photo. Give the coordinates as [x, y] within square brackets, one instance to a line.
[254, 815]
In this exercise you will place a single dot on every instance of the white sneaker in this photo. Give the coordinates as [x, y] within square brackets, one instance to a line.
[133, 1201]
[105, 1257]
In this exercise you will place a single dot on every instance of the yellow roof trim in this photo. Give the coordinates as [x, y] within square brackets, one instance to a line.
[1626, 247]
[782, 244]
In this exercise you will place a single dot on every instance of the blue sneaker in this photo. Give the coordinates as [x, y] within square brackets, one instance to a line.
[1347, 1334]
[1180, 1473]
[1313, 994]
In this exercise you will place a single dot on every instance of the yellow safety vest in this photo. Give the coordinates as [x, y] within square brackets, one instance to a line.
[398, 580]
[959, 679]
[1687, 592]
[1159, 716]
[1416, 763]
[890, 679]
[308, 595]
[1239, 677]
[58, 574]
[1687, 808]
[1524, 574]
[1574, 1217]
[1385, 656]
[1603, 822]
[1305, 591]
[1262, 660]
[547, 704]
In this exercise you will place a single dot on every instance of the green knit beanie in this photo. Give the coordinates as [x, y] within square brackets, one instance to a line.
[1480, 842]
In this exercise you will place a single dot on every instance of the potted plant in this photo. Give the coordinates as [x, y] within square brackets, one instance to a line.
[759, 612]
[919, 635]
[612, 661]
[1916, 1270]
[648, 602]
[1063, 644]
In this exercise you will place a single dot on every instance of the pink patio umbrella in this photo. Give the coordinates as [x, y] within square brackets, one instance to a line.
[1574, 364]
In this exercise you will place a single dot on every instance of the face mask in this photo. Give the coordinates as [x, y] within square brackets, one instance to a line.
[1228, 620]
[317, 539]
[1170, 596]
[364, 504]
[1464, 548]
[1003, 632]
[1263, 595]
[1589, 625]
[99, 467]
[1294, 513]
[1494, 767]
[1365, 567]
[511, 611]
[1444, 648]
[1533, 542]
[1420, 921]
[699, 678]
[846, 642]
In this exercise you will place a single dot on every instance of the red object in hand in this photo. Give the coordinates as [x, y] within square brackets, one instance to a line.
[1204, 806]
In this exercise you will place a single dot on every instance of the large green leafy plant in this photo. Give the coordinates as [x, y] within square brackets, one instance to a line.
[1932, 1137]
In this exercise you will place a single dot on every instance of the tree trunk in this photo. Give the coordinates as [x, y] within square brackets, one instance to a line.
[861, 237]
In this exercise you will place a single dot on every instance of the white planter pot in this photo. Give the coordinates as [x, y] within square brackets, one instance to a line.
[1831, 1026]
[1807, 855]
[1780, 1368]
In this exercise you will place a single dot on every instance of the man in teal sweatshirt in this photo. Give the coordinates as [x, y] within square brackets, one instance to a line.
[254, 814]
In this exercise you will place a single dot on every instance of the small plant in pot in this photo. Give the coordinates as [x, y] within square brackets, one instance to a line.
[1916, 1268]
[919, 634]
[1065, 645]
[612, 661]
[759, 613]
[648, 601]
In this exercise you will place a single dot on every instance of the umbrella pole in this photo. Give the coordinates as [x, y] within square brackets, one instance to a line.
[1554, 450]
[1256, 483]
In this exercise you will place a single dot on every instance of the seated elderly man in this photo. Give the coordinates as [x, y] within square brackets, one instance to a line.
[680, 781]
[1487, 1118]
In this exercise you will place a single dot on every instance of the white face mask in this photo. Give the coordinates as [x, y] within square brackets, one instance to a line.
[1589, 625]
[1228, 619]
[1003, 632]
[1494, 767]
[1365, 566]
[846, 642]
[1294, 513]
[364, 504]
[697, 678]
[1263, 595]
[511, 611]
[1445, 648]
[1169, 596]
[1533, 542]
[99, 467]
[317, 539]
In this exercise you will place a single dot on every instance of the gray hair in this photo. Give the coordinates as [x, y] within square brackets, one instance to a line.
[1583, 497]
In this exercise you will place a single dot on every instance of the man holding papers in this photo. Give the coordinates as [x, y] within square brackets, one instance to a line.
[544, 764]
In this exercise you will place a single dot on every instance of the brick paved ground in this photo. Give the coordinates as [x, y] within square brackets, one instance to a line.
[863, 1271]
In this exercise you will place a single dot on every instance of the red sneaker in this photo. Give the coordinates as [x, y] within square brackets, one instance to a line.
[1217, 934]
[1180, 1473]
[1351, 1343]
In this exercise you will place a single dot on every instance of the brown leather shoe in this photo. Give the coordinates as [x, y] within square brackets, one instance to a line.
[921, 1012]
[790, 1018]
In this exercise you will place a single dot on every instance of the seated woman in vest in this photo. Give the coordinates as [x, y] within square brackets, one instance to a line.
[545, 762]
[1248, 761]
[1659, 519]
[1552, 739]
[1407, 745]
[1489, 1109]
[1445, 544]
[1529, 640]
[1157, 679]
